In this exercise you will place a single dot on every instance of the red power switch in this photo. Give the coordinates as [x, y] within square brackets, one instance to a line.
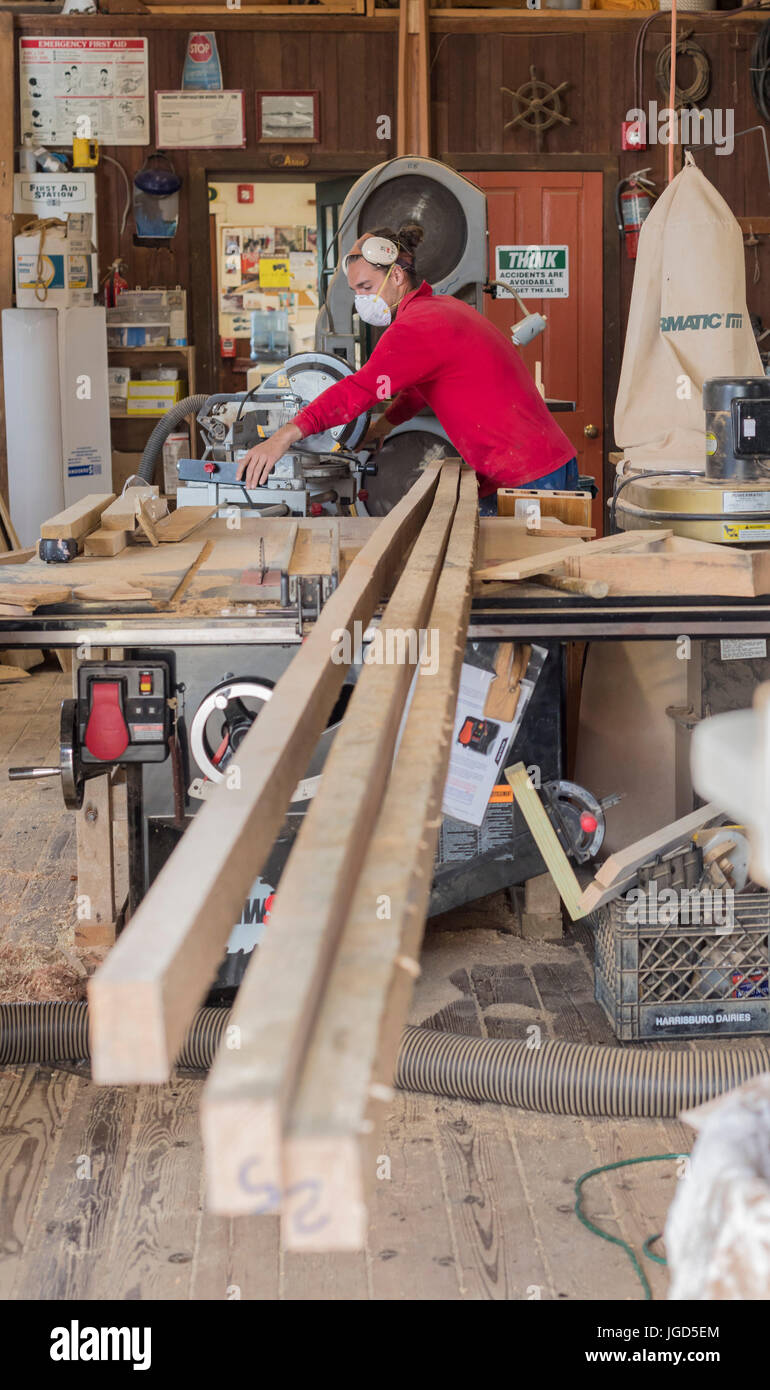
[209, 468]
[106, 730]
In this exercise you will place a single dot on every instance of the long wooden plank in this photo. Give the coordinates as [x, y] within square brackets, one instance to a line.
[146, 992]
[523, 568]
[250, 1087]
[680, 566]
[545, 838]
[335, 1124]
[77, 520]
[181, 523]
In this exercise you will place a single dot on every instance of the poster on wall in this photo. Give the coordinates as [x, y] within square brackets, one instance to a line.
[199, 120]
[534, 272]
[62, 81]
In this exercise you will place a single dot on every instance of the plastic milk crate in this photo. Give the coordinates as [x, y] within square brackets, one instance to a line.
[698, 970]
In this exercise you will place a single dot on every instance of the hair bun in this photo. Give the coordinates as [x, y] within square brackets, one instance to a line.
[410, 235]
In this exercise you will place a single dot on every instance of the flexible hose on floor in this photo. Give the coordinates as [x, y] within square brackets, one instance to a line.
[562, 1078]
[556, 1078]
[173, 417]
[58, 1032]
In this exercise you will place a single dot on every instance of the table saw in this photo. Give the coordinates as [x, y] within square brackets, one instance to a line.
[191, 665]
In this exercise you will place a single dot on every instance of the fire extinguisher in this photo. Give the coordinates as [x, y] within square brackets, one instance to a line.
[632, 205]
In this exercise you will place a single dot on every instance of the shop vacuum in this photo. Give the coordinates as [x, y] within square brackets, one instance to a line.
[730, 500]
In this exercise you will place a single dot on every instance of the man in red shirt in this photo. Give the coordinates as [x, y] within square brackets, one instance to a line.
[438, 352]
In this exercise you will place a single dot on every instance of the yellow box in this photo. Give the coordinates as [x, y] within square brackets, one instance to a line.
[152, 397]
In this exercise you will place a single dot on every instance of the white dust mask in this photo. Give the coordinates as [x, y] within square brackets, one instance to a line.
[373, 309]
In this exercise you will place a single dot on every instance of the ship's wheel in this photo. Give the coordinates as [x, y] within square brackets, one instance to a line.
[540, 106]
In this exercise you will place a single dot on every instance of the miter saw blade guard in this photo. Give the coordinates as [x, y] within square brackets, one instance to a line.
[577, 817]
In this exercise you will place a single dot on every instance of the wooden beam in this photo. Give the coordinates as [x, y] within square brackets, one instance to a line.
[251, 1086]
[578, 550]
[413, 96]
[76, 521]
[545, 838]
[334, 1129]
[101, 542]
[95, 924]
[150, 985]
[122, 513]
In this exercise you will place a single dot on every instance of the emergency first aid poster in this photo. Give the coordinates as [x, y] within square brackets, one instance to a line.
[534, 272]
[104, 80]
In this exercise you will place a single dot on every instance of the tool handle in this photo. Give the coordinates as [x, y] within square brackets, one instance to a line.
[592, 588]
[25, 774]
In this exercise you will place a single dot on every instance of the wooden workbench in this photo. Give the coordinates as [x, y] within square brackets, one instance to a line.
[215, 557]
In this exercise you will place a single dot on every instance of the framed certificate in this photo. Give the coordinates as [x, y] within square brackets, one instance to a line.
[199, 120]
[287, 117]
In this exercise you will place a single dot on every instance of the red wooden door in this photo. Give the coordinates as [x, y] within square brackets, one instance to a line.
[557, 209]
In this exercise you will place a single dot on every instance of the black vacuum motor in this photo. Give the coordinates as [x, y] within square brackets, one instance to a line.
[737, 427]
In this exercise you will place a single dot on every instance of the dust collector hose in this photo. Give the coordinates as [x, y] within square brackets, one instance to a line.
[557, 1078]
[179, 412]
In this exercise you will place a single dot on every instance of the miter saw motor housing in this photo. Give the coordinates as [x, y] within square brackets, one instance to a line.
[321, 474]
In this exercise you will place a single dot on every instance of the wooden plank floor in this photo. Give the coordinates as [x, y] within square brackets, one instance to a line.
[101, 1190]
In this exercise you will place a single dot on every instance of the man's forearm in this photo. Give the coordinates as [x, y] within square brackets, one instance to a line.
[286, 436]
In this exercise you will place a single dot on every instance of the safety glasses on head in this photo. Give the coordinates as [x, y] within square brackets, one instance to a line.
[377, 250]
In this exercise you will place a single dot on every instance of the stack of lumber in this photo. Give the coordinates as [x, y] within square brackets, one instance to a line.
[103, 524]
[294, 1101]
[654, 562]
[14, 665]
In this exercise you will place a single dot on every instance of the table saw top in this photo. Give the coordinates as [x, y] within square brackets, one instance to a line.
[187, 593]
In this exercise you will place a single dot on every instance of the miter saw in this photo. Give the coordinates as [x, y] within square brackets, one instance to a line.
[322, 473]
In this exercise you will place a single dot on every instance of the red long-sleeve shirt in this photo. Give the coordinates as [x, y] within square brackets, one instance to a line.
[442, 353]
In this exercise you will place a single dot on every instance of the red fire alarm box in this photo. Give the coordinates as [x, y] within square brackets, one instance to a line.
[245, 193]
[227, 347]
[634, 135]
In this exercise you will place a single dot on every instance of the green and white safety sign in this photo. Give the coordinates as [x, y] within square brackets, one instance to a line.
[535, 272]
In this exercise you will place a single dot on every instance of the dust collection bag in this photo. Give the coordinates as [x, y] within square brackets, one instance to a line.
[688, 321]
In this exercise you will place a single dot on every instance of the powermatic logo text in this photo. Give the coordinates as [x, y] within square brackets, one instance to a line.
[678, 323]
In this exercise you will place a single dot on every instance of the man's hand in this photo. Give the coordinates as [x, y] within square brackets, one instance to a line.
[256, 466]
[376, 433]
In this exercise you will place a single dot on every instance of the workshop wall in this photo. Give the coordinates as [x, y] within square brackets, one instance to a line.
[353, 71]
[353, 64]
[470, 110]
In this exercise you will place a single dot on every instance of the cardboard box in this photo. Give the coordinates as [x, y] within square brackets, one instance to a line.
[124, 466]
[85, 418]
[152, 397]
[69, 271]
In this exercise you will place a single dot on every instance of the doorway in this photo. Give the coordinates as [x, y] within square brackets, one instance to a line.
[560, 212]
[273, 250]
